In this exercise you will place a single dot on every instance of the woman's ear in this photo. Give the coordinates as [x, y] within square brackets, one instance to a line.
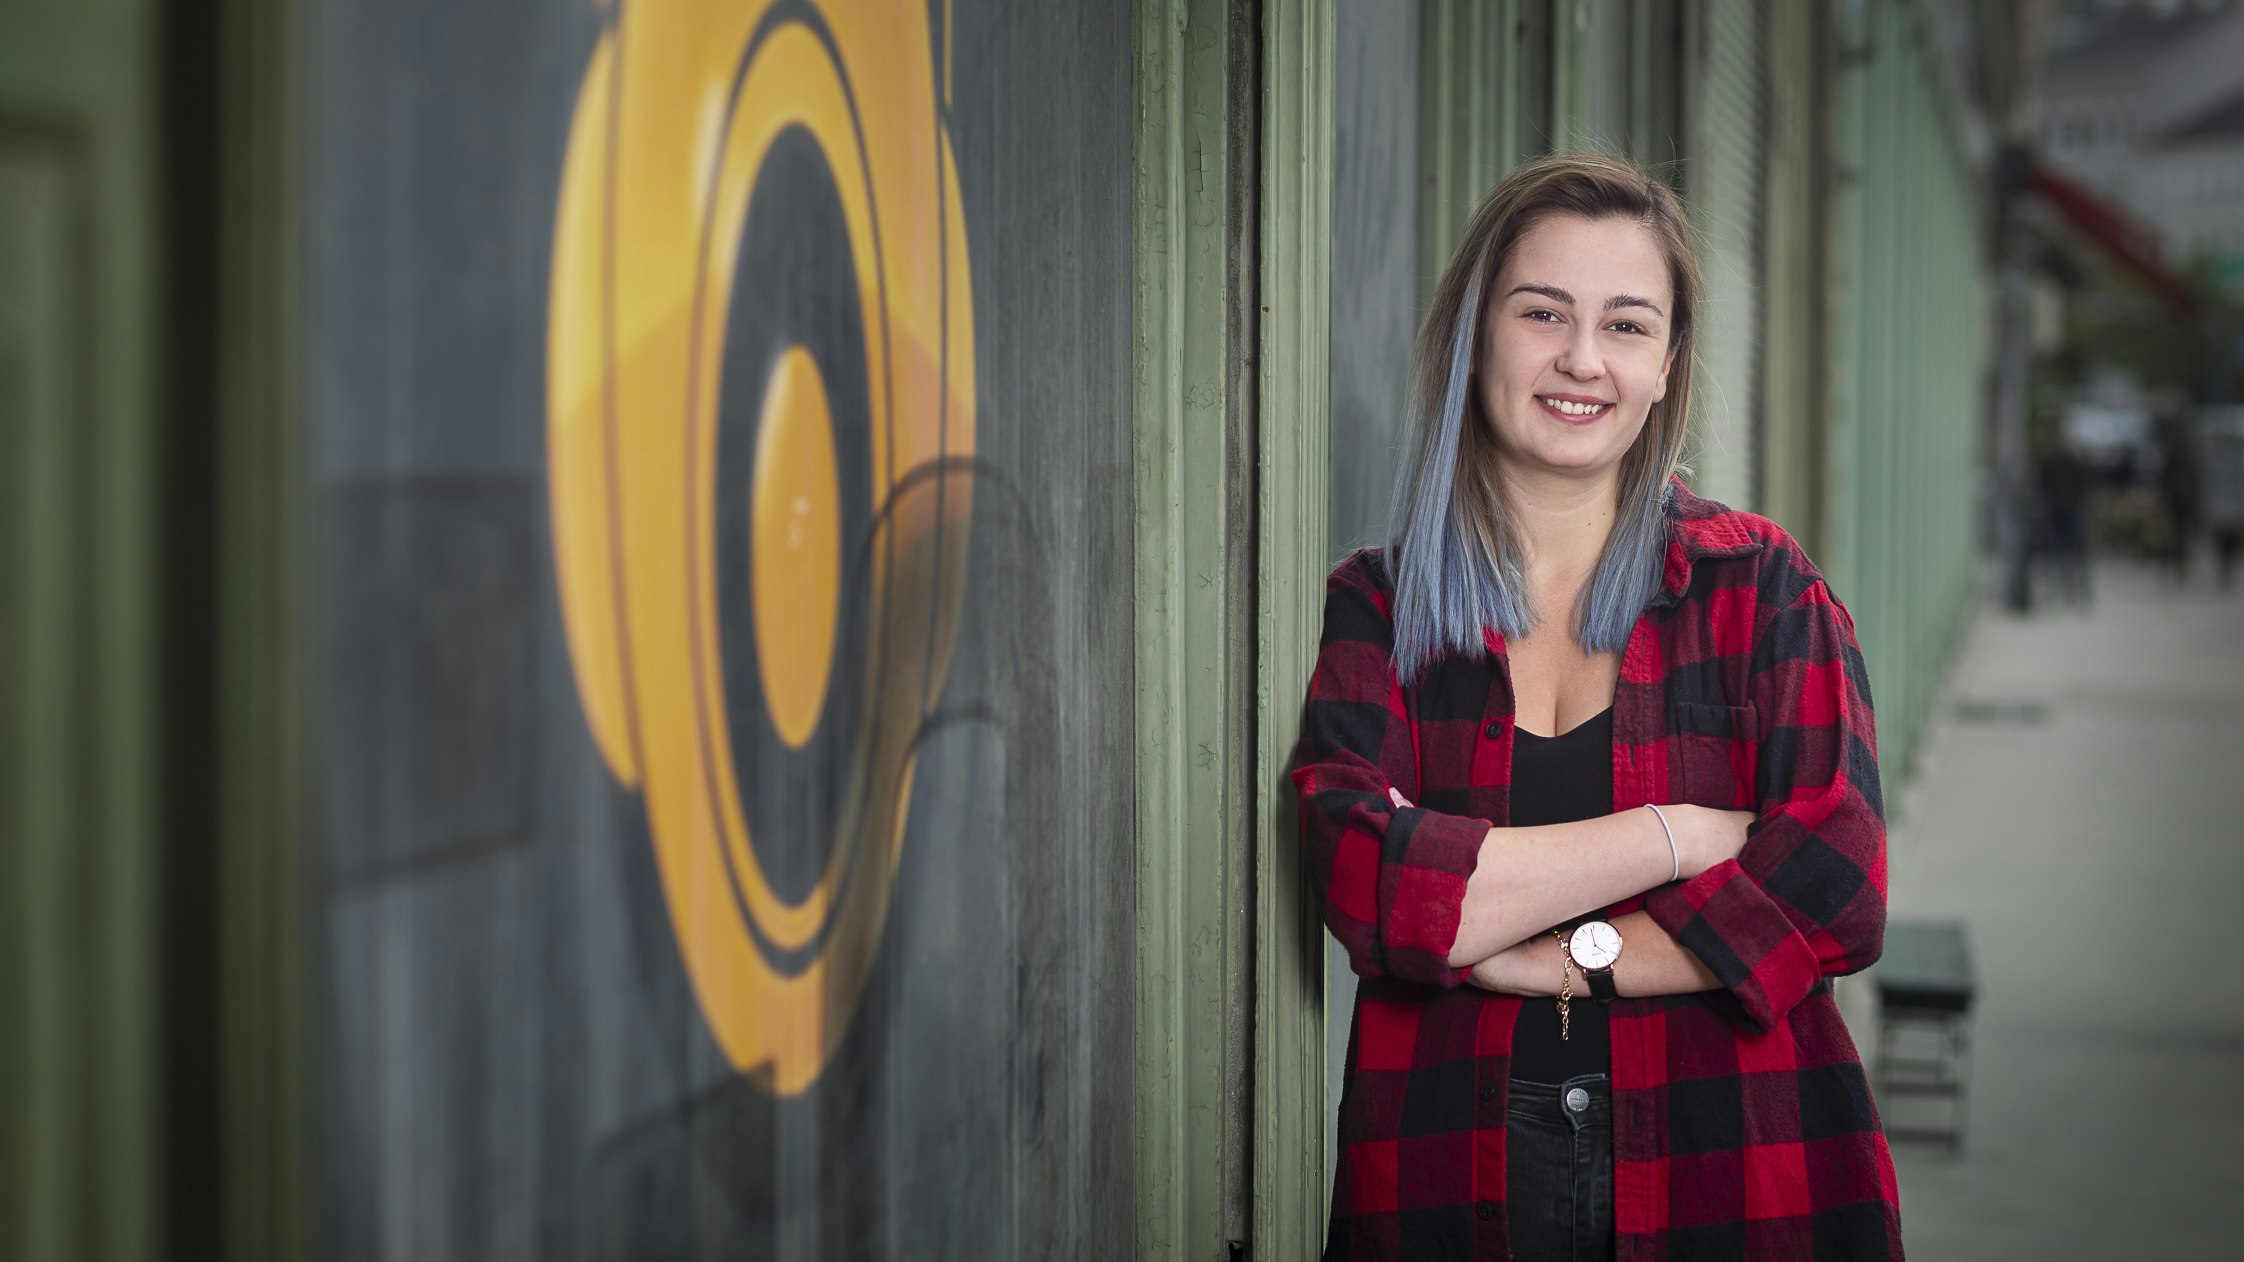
[1659, 389]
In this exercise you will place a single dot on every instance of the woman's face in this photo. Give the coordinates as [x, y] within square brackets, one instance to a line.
[1574, 346]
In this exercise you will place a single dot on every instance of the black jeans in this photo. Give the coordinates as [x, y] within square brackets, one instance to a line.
[1558, 1169]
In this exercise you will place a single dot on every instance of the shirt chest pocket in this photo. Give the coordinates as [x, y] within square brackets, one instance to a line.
[1714, 752]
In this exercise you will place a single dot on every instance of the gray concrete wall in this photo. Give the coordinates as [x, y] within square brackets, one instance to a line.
[513, 1062]
[1374, 317]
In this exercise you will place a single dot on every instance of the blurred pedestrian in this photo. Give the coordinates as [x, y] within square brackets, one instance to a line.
[1595, 909]
[2062, 482]
[2178, 491]
[2221, 483]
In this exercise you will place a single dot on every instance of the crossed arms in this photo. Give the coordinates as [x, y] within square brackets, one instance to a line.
[1445, 900]
[1536, 876]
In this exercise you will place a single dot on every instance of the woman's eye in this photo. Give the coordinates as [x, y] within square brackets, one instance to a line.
[1628, 326]
[1542, 315]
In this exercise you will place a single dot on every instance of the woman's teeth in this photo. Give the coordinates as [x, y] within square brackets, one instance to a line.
[1576, 409]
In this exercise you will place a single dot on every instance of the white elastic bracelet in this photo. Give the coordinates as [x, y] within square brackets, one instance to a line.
[1672, 852]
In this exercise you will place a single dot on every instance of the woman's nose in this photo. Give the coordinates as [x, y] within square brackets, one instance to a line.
[1580, 359]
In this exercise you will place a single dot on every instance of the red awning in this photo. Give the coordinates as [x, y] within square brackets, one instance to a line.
[2133, 244]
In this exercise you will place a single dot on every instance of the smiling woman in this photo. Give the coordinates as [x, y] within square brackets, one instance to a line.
[1595, 364]
[1587, 1029]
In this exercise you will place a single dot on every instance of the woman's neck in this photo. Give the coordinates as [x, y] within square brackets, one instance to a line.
[1563, 525]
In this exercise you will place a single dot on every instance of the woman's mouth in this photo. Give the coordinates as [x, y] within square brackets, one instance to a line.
[1573, 411]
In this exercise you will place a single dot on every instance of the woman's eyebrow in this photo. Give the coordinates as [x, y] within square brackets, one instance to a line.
[1617, 301]
[1552, 292]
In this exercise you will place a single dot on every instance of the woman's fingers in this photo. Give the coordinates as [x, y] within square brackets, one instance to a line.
[1741, 822]
[1395, 795]
[1730, 828]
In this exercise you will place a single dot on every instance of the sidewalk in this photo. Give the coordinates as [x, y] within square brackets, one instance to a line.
[2080, 807]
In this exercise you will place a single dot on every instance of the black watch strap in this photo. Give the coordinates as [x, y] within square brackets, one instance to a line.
[1601, 984]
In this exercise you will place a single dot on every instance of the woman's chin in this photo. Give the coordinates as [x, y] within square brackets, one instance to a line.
[1572, 463]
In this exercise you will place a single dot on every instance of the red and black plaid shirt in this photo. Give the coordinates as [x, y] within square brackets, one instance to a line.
[1743, 1124]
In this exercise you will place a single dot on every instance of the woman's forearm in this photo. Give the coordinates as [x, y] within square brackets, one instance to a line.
[1652, 963]
[1531, 878]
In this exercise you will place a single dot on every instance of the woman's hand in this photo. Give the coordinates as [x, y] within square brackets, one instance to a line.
[1705, 836]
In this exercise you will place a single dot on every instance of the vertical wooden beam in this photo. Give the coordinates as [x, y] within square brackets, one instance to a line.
[1193, 477]
[266, 943]
[1792, 470]
[1841, 63]
[1233, 229]
[1469, 116]
[1440, 171]
[1590, 71]
[1569, 18]
[1295, 491]
[51, 992]
[1726, 74]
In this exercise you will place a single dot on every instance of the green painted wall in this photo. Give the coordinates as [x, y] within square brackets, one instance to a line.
[1908, 353]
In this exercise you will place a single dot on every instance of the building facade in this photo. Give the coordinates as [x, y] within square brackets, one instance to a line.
[701, 607]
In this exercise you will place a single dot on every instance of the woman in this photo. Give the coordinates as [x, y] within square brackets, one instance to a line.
[1569, 694]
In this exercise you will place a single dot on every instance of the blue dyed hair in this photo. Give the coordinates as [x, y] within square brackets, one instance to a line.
[1454, 550]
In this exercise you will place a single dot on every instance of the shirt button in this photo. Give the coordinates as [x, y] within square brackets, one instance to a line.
[1488, 1091]
[1495, 728]
[1486, 1210]
[1577, 1099]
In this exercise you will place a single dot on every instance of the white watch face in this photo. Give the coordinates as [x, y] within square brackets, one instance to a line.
[1595, 944]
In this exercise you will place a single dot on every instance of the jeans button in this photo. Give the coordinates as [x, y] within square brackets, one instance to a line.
[1577, 1099]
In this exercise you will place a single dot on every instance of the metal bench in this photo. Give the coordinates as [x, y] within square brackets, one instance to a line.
[1925, 990]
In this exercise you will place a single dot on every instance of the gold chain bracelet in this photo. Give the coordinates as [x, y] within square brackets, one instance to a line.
[1565, 987]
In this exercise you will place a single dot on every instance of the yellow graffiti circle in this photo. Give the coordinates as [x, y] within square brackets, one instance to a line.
[678, 111]
[796, 529]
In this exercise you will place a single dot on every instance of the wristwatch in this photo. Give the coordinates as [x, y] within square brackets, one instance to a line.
[1595, 947]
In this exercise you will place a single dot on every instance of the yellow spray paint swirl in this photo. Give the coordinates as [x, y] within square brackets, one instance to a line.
[677, 113]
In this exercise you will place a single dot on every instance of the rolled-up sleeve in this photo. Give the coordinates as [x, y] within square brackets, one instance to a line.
[1806, 898]
[1391, 883]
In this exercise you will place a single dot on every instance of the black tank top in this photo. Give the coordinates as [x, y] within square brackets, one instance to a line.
[1557, 780]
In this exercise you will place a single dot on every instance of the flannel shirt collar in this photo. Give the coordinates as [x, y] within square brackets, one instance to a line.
[1699, 529]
